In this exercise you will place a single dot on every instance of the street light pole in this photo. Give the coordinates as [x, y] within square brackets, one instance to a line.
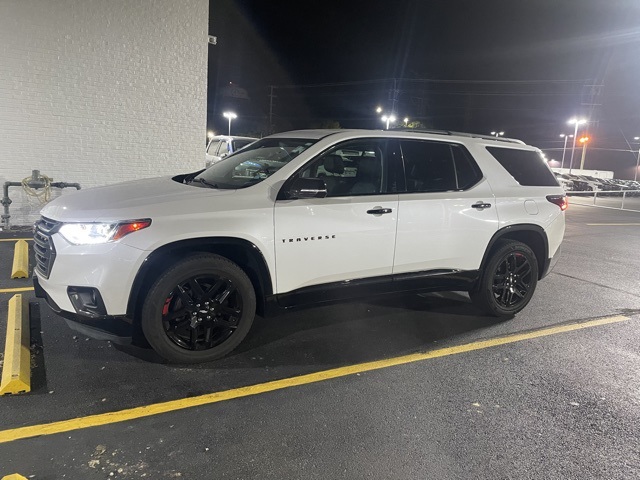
[583, 141]
[635, 176]
[230, 116]
[564, 149]
[388, 119]
[575, 137]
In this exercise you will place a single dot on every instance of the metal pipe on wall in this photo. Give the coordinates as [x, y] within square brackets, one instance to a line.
[34, 182]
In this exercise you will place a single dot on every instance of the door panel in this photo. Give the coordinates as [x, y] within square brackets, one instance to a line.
[443, 230]
[448, 215]
[325, 240]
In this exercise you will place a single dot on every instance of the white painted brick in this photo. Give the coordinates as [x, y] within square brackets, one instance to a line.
[100, 91]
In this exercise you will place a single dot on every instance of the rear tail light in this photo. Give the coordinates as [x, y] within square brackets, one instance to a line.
[560, 200]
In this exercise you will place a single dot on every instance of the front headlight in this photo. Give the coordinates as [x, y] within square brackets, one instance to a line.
[95, 233]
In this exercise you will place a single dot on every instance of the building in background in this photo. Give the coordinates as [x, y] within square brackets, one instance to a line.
[97, 91]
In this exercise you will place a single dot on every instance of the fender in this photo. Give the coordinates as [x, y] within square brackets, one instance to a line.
[247, 255]
[519, 232]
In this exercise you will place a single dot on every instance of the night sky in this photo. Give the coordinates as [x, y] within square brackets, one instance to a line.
[523, 67]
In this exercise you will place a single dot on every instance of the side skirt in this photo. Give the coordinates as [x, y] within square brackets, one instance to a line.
[328, 293]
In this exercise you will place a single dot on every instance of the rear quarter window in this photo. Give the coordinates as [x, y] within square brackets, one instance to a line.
[526, 166]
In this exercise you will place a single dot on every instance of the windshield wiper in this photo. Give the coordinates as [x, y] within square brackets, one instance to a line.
[204, 182]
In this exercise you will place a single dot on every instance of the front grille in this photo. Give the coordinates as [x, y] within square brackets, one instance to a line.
[43, 247]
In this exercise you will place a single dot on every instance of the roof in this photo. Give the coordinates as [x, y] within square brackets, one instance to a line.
[318, 134]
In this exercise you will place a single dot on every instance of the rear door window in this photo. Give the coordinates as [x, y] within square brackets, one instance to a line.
[437, 167]
[213, 147]
[527, 167]
[224, 149]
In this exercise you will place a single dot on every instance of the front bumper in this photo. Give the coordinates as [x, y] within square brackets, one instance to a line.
[116, 329]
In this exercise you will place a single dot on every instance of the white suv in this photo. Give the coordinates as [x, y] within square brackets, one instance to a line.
[300, 218]
[222, 145]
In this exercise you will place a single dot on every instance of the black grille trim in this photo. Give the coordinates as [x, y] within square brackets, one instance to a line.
[45, 252]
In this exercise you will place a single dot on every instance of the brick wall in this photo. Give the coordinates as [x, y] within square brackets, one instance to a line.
[100, 91]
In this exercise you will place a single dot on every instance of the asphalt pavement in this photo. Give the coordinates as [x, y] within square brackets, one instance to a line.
[561, 401]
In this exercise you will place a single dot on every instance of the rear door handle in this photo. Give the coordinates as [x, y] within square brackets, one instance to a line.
[379, 211]
[481, 206]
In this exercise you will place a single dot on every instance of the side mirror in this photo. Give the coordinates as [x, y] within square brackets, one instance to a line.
[307, 188]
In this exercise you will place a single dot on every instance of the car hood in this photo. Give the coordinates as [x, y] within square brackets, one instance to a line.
[130, 200]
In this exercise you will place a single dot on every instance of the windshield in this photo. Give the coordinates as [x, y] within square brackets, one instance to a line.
[252, 164]
[241, 143]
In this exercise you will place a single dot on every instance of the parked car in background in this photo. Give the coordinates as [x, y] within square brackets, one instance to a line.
[592, 184]
[633, 185]
[579, 184]
[565, 182]
[222, 145]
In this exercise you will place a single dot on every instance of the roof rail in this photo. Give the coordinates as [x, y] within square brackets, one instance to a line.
[460, 134]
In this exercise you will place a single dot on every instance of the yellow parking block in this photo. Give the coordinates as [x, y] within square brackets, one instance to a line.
[14, 476]
[16, 372]
[16, 290]
[20, 260]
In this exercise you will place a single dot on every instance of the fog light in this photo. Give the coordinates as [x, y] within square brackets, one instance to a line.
[87, 301]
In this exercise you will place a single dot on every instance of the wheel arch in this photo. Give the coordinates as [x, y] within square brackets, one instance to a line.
[531, 235]
[242, 252]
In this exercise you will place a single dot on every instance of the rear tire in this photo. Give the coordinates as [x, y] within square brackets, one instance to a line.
[508, 280]
[199, 309]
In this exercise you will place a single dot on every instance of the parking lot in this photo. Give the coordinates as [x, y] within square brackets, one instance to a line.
[416, 386]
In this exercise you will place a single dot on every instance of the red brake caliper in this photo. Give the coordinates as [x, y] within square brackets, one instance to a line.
[165, 309]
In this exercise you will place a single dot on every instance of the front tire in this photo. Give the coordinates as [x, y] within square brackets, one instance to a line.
[508, 280]
[199, 309]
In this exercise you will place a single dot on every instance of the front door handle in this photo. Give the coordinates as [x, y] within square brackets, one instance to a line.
[379, 211]
[481, 206]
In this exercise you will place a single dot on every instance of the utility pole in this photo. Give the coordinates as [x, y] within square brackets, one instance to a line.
[271, 97]
[394, 94]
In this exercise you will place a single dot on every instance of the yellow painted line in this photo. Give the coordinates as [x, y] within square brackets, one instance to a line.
[14, 476]
[16, 290]
[210, 398]
[16, 239]
[20, 260]
[16, 371]
[613, 224]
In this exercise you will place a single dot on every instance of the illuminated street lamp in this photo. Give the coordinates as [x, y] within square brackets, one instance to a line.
[584, 140]
[406, 120]
[388, 119]
[230, 116]
[379, 110]
[576, 122]
[564, 149]
[497, 134]
[635, 176]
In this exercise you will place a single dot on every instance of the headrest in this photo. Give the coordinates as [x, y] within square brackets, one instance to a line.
[334, 164]
[369, 167]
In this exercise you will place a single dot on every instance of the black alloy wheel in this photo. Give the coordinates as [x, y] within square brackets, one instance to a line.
[512, 280]
[202, 312]
[508, 280]
[199, 309]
